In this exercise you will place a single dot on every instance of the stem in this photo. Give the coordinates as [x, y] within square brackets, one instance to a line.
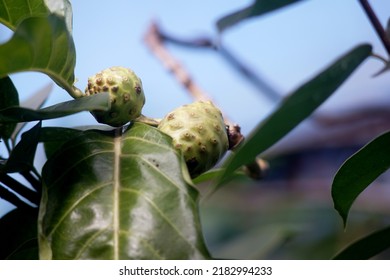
[377, 56]
[377, 25]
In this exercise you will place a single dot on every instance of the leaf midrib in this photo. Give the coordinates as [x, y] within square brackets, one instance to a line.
[116, 189]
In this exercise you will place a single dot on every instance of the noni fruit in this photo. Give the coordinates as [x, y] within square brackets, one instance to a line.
[126, 95]
[199, 132]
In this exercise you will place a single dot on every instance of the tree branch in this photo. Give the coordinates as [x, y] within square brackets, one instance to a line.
[376, 24]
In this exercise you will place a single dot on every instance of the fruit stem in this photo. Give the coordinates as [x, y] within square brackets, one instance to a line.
[148, 120]
[376, 24]
[76, 93]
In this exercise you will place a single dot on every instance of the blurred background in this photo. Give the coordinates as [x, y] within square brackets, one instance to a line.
[289, 214]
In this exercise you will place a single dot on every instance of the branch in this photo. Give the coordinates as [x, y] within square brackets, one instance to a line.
[246, 71]
[155, 43]
[377, 25]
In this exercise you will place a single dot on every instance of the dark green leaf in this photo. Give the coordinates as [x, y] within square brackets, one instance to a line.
[366, 247]
[119, 197]
[55, 137]
[258, 8]
[41, 44]
[12, 12]
[18, 234]
[8, 97]
[295, 108]
[94, 102]
[34, 102]
[358, 172]
[22, 156]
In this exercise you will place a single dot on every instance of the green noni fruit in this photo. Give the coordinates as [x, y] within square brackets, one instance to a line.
[199, 132]
[126, 95]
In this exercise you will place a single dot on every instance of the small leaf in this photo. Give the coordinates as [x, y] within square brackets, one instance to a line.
[18, 234]
[8, 97]
[22, 156]
[258, 8]
[41, 44]
[94, 102]
[366, 247]
[295, 108]
[110, 196]
[358, 172]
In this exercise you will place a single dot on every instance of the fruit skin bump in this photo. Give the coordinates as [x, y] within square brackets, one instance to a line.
[126, 95]
[199, 132]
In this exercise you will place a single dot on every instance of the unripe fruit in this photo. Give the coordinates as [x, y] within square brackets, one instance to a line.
[199, 132]
[126, 95]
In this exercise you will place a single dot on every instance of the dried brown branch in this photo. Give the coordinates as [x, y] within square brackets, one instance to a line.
[155, 43]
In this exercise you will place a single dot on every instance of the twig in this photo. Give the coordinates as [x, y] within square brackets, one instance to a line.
[377, 25]
[154, 40]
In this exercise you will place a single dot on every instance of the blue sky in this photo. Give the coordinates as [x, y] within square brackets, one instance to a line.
[287, 47]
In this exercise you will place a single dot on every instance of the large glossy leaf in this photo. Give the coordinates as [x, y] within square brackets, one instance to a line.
[107, 196]
[12, 12]
[366, 247]
[41, 44]
[358, 172]
[94, 102]
[18, 234]
[8, 97]
[258, 8]
[295, 108]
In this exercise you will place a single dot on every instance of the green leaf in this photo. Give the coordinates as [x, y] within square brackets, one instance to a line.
[258, 8]
[358, 172]
[8, 97]
[107, 196]
[22, 156]
[18, 234]
[295, 108]
[94, 102]
[41, 44]
[12, 12]
[54, 137]
[366, 247]
[215, 173]
[35, 102]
